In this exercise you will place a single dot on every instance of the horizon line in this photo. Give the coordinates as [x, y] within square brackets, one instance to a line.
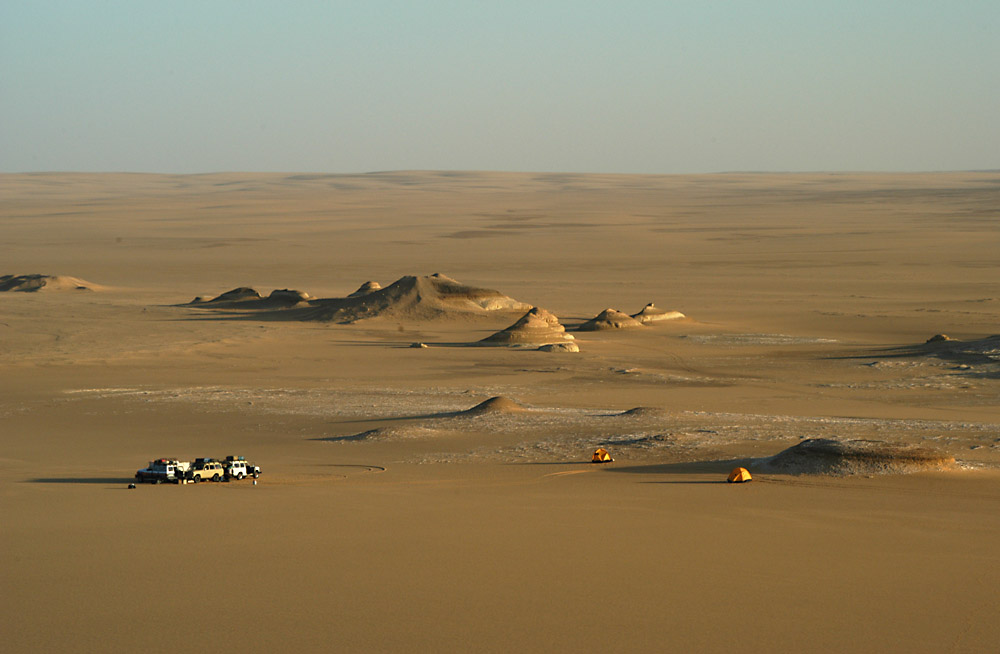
[502, 171]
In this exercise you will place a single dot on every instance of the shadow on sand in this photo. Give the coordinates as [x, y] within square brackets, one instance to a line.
[719, 468]
[581, 462]
[82, 480]
[965, 354]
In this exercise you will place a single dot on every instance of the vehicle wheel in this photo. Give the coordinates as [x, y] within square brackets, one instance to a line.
[240, 476]
[156, 482]
[215, 477]
[197, 478]
[256, 474]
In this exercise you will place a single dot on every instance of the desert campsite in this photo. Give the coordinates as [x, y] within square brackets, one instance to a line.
[415, 499]
[514, 327]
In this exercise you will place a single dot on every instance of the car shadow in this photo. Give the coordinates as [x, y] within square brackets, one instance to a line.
[82, 480]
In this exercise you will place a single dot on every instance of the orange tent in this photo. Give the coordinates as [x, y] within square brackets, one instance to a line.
[739, 475]
[601, 455]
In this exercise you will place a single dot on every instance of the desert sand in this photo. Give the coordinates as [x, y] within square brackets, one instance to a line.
[441, 498]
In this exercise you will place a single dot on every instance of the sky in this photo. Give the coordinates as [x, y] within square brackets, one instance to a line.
[629, 86]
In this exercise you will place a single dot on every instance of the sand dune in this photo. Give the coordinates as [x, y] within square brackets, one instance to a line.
[412, 298]
[855, 457]
[489, 528]
[35, 283]
[248, 299]
[390, 434]
[643, 412]
[537, 327]
[289, 295]
[982, 350]
[435, 425]
[609, 319]
[236, 295]
[494, 405]
[366, 289]
[979, 357]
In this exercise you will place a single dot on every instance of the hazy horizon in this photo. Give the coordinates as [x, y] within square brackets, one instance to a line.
[348, 173]
[625, 87]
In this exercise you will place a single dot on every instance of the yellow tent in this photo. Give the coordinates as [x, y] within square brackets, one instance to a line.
[739, 475]
[601, 455]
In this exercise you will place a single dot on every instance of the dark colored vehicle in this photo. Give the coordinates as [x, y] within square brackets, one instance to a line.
[162, 470]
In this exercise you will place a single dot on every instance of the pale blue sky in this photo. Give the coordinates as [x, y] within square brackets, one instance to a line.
[623, 86]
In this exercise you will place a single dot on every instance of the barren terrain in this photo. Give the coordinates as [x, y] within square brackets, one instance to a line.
[390, 517]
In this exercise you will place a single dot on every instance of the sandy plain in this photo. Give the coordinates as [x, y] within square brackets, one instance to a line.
[386, 520]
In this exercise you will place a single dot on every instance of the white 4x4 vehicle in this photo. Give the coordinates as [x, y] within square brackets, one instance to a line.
[238, 468]
[161, 470]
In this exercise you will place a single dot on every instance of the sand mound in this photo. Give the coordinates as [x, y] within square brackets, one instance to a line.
[245, 298]
[855, 457]
[289, 295]
[35, 283]
[414, 298]
[240, 294]
[609, 319]
[492, 406]
[650, 313]
[983, 351]
[366, 289]
[394, 433]
[643, 412]
[537, 327]
[560, 347]
[371, 434]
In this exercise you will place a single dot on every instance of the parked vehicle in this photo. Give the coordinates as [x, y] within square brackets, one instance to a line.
[163, 470]
[237, 467]
[205, 469]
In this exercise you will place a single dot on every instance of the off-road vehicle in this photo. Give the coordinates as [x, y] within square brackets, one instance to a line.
[238, 467]
[162, 470]
[205, 469]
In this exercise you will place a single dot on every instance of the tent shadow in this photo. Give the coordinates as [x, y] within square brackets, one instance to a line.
[721, 467]
[689, 481]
